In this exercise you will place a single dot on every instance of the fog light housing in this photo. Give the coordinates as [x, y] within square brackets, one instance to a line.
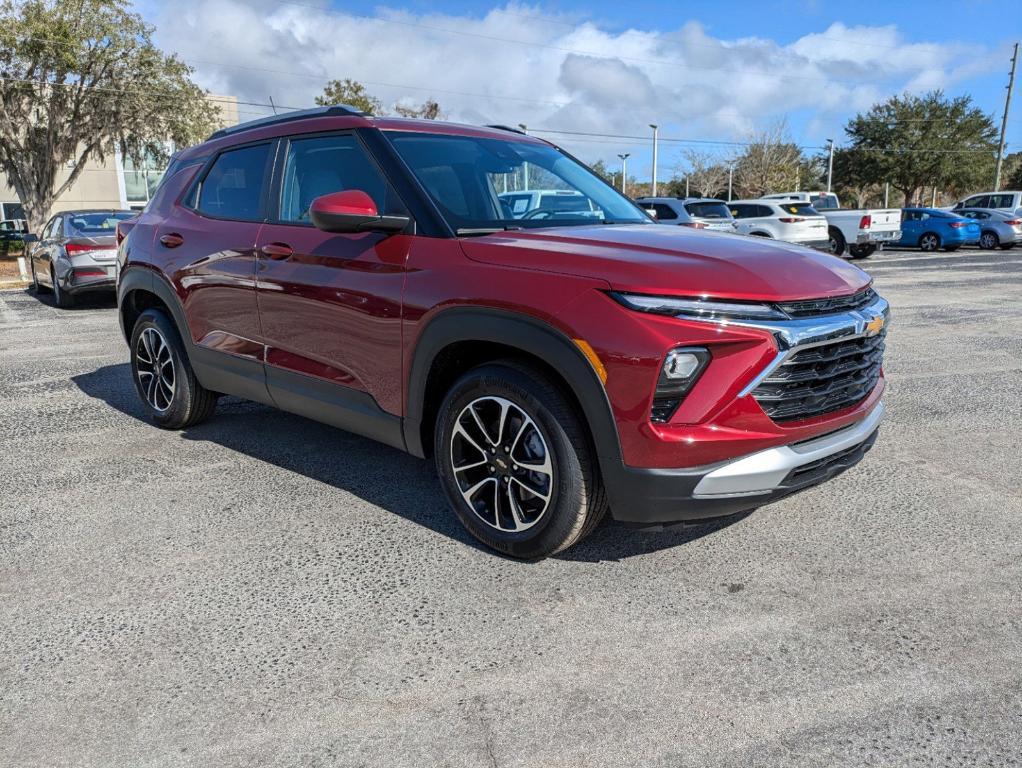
[678, 374]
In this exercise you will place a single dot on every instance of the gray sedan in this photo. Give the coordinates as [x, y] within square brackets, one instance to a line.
[77, 253]
[999, 229]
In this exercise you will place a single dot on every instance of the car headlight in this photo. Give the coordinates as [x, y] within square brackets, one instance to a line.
[698, 308]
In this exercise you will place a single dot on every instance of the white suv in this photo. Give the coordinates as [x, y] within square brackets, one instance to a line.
[1008, 200]
[793, 222]
[699, 212]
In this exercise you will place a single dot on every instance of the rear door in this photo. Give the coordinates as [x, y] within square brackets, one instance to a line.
[207, 247]
[329, 303]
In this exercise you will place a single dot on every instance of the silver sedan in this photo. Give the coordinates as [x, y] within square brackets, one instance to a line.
[999, 229]
[77, 253]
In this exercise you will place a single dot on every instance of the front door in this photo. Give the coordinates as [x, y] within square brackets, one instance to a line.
[330, 304]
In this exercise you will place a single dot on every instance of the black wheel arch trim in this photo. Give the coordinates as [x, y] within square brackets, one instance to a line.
[523, 332]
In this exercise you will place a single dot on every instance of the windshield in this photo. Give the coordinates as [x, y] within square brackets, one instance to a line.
[482, 184]
[98, 223]
[712, 209]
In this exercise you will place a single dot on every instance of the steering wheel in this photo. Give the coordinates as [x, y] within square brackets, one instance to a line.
[540, 213]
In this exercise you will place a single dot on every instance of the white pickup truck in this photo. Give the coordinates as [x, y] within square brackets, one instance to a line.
[860, 231]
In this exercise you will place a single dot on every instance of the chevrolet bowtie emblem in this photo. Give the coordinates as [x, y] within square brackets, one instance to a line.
[874, 326]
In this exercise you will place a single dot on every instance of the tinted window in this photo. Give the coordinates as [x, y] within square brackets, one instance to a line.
[233, 188]
[741, 211]
[1001, 201]
[763, 210]
[708, 210]
[97, 223]
[824, 202]
[323, 164]
[801, 209]
[664, 212]
[980, 201]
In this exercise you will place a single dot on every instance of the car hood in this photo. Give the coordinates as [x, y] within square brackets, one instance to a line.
[674, 260]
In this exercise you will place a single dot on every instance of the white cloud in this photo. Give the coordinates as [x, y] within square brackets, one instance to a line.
[518, 64]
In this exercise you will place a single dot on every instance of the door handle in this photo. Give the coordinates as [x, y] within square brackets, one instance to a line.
[277, 251]
[171, 240]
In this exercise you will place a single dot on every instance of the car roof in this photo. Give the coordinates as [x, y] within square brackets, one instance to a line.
[342, 118]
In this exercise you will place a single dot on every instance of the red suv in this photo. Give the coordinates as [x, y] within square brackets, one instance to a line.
[555, 360]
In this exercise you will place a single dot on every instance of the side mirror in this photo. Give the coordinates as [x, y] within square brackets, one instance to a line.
[30, 237]
[352, 211]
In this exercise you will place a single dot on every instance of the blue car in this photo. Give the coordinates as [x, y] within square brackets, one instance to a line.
[932, 229]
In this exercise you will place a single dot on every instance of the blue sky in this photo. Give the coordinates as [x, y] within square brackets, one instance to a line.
[705, 72]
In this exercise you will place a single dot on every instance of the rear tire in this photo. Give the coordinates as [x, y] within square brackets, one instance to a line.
[163, 377]
[862, 251]
[837, 241]
[989, 240]
[494, 422]
[61, 298]
[929, 241]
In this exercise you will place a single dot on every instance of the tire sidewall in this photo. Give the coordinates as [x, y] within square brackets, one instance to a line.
[564, 516]
[179, 406]
[988, 237]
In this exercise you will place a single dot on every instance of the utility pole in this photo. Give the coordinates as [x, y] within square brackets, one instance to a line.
[830, 164]
[525, 166]
[730, 178]
[887, 193]
[686, 186]
[1004, 120]
[624, 169]
[656, 131]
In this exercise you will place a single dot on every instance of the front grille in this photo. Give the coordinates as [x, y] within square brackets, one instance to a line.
[829, 306]
[822, 379]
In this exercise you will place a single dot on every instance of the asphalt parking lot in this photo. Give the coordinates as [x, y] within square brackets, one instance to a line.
[261, 590]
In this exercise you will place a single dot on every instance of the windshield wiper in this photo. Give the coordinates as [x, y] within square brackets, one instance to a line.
[479, 231]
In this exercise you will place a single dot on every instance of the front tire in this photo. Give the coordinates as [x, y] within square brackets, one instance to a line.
[515, 461]
[163, 376]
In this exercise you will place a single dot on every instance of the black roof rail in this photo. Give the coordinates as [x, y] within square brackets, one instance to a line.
[339, 110]
[507, 128]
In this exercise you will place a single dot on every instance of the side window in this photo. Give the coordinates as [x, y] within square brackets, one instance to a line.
[1000, 201]
[979, 201]
[53, 228]
[764, 211]
[233, 187]
[664, 212]
[740, 211]
[323, 164]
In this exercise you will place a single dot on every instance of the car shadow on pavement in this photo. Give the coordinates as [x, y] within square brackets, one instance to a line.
[86, 301]
[383, 476]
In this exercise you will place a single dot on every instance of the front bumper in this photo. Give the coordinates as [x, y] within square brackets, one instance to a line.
[654, 497]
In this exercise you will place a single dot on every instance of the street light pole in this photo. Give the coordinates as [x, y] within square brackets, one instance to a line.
[656, 132]
[624, 169]
[1004, 120]
[830, 164]
[730, 178]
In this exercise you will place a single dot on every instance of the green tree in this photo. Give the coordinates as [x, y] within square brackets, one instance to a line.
[428, 110]
[770, 163]
[79, 80]
[918, 142]
[1011, 171]
[350, 93]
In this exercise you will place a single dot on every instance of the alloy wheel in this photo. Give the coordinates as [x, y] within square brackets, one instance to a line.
[154, 366]
[502, 464]
[929, 243]
[988, 241]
